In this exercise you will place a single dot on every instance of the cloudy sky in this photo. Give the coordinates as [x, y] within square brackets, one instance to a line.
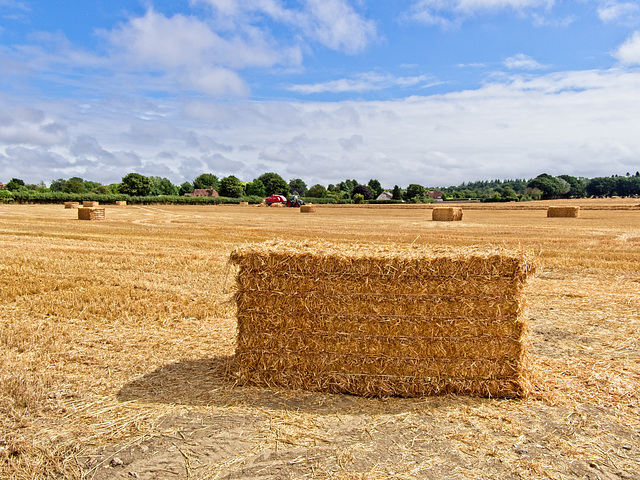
[435, 92]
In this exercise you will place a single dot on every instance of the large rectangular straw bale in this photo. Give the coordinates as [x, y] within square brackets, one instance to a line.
[121, 203]
[71, 204]
[378, 321]
[307, 209]
[447, 214]
[86, 213]
[89, 204]
[570, 212]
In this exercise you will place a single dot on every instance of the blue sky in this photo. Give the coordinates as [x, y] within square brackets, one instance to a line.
[410, 91]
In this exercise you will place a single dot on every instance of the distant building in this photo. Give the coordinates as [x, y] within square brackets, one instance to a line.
[436, 196]
[385, 196]
[2, 186]
[204, 192]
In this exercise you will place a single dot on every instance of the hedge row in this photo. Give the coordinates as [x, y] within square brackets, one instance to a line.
[60, 197]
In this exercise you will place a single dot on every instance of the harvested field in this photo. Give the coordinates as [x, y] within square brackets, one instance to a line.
[118, 341]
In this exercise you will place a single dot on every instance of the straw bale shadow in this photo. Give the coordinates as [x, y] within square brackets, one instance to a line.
[212, 382]
[189, 382]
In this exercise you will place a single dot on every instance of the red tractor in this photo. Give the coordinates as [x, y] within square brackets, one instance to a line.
[276, 199]
[293, 201]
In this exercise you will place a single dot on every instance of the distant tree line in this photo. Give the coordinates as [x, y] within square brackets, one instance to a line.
[544, 187]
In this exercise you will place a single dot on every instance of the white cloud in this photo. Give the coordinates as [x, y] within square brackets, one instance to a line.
[364, 82]
[336, 25]
[612, 11]
[517, 126]
[522, 62]
[20, 125]
[629, 52]
[332, 23]
[15, 4]
[351, 143]
[451, 13]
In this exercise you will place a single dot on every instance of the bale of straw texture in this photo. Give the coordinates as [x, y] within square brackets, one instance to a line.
[121, 202]
[307, 209]
[570, 212]
[71, 204]
[244, 204]
[91, 213]
[277, 205]
[89, 204]
[380, 321]
[447, 214]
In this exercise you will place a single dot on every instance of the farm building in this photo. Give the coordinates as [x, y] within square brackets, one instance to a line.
[386, 195]
[436, 195]
[204, 192]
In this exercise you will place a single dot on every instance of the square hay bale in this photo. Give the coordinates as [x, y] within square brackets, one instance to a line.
[71, 204]
[244, 204]
[307, 208]
[89, 204]
[447, 214]
[91, 213]
[569, 212]
[121, 203]
[382, 321]
[277, 205]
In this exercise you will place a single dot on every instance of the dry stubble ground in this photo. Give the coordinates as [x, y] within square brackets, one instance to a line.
[117, 341]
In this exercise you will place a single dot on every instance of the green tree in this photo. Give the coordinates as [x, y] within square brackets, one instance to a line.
[135, 185]
[362, 190]
[375, 187]
[347, 186]
[74, 185]
[231, 187]
[550, 186]
[396, 194]
[185, 188]
[90, 186]
[205, 181]
[317, 191]
[57, 185]
[577, 186]
[298, 187]
[358, 198]
[255, 188]
[414, 191]
[509, 194]
[102, 190]
[15, 184]
[163, 186]
[274, 184]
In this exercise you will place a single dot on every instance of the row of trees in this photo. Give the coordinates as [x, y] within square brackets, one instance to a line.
[544, 186]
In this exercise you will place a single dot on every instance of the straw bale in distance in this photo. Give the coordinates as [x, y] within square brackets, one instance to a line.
[71, 204]
[307, 209]
[121, 203]
[447, 214]
[378, 321]
[87, 203]
[91, 213]
[244, 204]
[569, 212]
[277, 205]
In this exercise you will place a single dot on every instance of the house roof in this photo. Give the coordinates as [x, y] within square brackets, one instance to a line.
[385, 196]
[204, 192]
